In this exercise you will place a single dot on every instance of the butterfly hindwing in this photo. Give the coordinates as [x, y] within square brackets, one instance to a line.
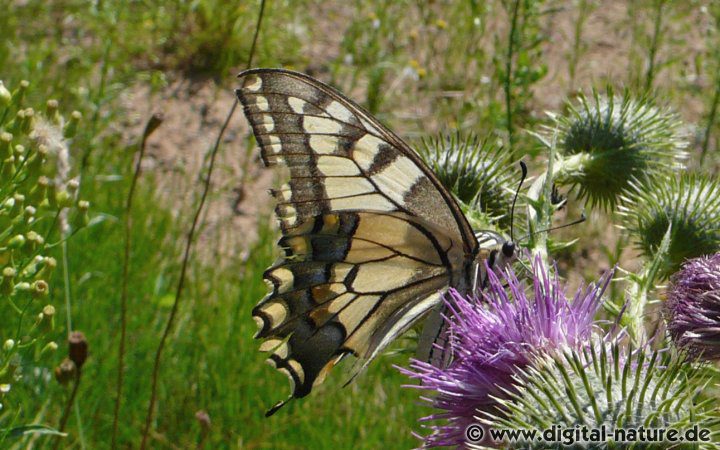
[370, 237]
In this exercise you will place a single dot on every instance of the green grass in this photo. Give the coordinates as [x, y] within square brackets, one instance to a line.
[212, 363]
[89, 54]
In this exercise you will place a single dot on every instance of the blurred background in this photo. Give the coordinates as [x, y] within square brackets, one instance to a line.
[492, 68]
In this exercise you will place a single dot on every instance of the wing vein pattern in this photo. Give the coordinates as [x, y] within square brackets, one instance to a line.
[370, 238]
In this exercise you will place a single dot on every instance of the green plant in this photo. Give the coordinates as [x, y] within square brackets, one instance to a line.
[39, 210]
[521, 66]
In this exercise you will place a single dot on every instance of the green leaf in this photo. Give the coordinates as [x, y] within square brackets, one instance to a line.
[26, 430]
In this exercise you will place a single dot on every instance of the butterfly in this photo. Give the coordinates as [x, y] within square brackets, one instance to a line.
[371, 240]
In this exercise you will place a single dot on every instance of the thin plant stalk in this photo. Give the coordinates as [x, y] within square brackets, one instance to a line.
[583, 12]
[68, 407]
[104, 68]
[151, 126]
[508, 72]
[654, 44]
[188, 246]
[710, 120]
[68, 318]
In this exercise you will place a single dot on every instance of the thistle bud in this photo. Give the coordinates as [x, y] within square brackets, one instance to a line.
[50, 347]
[34, 240]
[23, 286]
[7, 284]
[8, 168]
[82, 219]
[29, 213]
[5, 95]
[17, 204]
[41, 289]
[31, 269]
[65, 372]
[7, 374]
[63, 199]
[46, 319]
[36, 161]
[16, 242]
[73, 186]
[475, 171]
[607, 142]
[72, 125]
[19, 95]
[16, 125]
[52, 112]
[19, 152]
[78, 348]
[38, 194]
[5, 145]
[690, 203]
[28, 124]
[47, 265]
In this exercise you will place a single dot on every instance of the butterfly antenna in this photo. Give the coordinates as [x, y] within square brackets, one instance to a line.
[277, 406]
[523, 167]
[578, 221]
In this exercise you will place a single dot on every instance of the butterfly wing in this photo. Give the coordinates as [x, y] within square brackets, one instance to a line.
[370, 236]
[434, 341]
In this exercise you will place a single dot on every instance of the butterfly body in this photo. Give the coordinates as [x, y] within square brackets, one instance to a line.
[371, 239]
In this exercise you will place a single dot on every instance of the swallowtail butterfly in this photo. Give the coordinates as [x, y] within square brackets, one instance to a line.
[371, 238]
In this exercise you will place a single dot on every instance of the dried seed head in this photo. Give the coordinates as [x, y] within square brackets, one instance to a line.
[203, 418]
[65, 372]
[78, 348]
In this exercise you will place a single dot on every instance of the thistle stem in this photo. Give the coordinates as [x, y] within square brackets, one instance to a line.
[540, 209]
[637, 299]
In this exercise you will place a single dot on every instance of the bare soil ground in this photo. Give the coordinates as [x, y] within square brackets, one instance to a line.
[195, 109]
[194, 112]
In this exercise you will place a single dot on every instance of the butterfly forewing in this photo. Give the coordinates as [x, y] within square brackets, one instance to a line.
[370, 237]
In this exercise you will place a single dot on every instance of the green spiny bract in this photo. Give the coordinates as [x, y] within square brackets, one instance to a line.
[479, 173]
[609, 385]
[691, 203]
[606, 142]
[36, 197]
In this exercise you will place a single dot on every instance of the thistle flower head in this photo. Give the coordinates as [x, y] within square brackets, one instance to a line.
[475, 171]
[690, 203]
[604, 384]
[693, 307]
[492, 337]
[609, 141]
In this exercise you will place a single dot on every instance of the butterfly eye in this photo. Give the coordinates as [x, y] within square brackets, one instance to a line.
[508, 249]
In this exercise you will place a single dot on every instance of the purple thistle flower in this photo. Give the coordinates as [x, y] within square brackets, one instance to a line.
[493, 337]
[693, 307]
